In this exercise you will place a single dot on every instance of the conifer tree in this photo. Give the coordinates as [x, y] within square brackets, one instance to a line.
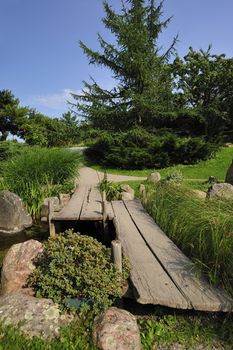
[140, 69]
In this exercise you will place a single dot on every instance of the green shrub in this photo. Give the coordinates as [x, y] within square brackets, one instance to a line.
[201, 229]
[175, 176]
[39, 173]
[139, 149]
[113, 191]
[77, 266]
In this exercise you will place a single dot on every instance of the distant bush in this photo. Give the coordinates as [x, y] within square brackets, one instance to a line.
[139, 149]
[78, 266]
[38, 173]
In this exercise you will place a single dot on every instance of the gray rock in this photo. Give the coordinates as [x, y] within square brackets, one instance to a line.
[200, 194]
[221, 191]
[64, 199]
[154, 177]
[116, 329]
[45, 206]
[14, 218]
[229, 175]
[39, 317]
[18, 264]
[142, 189]
[127, 193]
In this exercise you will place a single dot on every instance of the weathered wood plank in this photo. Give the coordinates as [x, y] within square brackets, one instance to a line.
[73, 208]
[92, 206]
[152, 284]
[182, 271]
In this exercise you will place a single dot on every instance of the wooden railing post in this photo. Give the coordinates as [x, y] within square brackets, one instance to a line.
[104, 206]
[104, 213]
[51, 224]
[117, 254]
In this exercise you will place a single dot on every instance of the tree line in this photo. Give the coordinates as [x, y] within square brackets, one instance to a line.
[155, 89]
[34, 127]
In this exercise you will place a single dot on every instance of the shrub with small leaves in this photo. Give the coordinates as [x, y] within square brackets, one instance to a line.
[77, 266]
[175, 176]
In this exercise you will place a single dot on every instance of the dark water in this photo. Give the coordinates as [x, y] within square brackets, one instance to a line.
[34, 232]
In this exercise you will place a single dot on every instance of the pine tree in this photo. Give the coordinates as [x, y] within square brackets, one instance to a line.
[143, 84]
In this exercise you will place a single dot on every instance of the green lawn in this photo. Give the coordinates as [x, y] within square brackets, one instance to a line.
[203, 170]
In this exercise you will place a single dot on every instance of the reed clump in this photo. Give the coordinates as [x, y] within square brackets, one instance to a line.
[202, 229]
[39, 173]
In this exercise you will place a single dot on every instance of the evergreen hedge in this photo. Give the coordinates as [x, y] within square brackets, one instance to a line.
[139, 149]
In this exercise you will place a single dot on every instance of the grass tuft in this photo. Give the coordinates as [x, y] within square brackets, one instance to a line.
[39, 173]
[202, 229]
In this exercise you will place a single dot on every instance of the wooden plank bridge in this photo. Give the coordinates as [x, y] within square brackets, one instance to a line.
[160, 273]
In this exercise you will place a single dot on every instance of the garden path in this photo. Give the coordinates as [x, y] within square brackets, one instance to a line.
[89, 176]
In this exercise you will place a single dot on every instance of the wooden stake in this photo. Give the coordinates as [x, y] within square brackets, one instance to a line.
[61, 201]
[52, 230]
[117, 254]
[104, 211]
[104, 206]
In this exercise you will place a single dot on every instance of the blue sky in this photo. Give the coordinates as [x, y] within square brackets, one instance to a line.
[40, 59]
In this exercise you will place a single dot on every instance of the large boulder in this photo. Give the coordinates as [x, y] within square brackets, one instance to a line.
[14, 218]
[154, 177]
[229, 175]
[38, 317]
[127, 193]
[18, 264]
[116, 329]
[221, 191]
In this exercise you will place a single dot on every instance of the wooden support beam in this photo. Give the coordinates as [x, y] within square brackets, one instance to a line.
[117, 254]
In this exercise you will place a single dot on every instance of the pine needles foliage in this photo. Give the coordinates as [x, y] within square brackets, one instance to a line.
[140, 69]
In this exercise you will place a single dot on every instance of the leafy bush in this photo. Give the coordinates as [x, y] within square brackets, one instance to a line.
[138, 149]
[113, 191]
[201, 229]
[77, 266]
[175, 176]
[39, 173]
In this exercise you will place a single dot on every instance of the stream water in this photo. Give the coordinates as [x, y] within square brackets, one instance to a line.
[34, 232]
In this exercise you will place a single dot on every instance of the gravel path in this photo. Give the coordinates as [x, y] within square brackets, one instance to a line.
[89, 176]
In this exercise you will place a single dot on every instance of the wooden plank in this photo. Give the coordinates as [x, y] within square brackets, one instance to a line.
[73, 208]
[92, 206]
[201, 294]
[151, 282]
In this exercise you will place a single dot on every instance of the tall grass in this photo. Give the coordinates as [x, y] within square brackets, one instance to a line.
[39, 173]
[203, 230]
